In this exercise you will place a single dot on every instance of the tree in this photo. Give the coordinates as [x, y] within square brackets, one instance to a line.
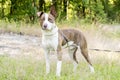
[32, 11]
[13, 7]
[97, 11]
[65, 8]
[2, 8]
[90, 10]
[41, 3]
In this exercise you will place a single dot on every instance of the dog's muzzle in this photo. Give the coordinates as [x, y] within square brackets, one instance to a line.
[44, 27]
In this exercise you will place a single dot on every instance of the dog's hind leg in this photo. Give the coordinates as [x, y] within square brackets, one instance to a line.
[72, 52]
[84, 52]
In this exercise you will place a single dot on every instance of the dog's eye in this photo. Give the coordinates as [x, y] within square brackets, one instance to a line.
[49, 19]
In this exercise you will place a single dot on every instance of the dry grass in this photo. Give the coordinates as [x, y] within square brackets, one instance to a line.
[20, 28]
[29, 64]
[32, 67]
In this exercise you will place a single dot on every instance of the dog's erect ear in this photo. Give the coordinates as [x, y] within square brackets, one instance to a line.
[39, 14]
[53, 11]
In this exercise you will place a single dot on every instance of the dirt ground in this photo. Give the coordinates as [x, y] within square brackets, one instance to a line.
[14, 44]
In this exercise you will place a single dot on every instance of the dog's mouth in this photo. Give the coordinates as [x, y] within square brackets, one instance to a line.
[46, 29]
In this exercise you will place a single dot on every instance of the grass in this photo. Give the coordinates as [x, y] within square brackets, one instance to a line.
[34, 29]
[107, 65]
[112, 35]
[20, 27]
[29, 68]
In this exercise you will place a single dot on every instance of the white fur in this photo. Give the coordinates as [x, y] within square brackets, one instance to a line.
[58, 70]
[50, 42]
[50, 25]
[91, 69]
[68, 44]
[75, 66]
[50, 39]
[50, 35]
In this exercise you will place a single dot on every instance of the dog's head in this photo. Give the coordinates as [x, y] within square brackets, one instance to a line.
[47, 20]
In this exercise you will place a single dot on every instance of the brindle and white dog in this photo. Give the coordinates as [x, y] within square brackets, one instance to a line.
[54, 39]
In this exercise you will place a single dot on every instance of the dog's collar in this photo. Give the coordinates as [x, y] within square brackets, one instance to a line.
[51, 34]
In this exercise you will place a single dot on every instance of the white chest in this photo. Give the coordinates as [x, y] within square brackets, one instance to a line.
[50, 42]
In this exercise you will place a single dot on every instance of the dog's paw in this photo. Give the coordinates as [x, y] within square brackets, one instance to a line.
[58, 75]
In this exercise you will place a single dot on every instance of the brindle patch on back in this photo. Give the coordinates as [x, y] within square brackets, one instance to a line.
[74, 35]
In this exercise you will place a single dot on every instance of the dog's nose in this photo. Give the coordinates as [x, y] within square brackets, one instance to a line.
[45, 25]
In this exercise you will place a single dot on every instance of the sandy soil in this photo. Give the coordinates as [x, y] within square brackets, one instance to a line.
[14, 44]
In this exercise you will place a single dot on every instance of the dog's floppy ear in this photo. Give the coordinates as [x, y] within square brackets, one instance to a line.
[39, 14]
[53, 11]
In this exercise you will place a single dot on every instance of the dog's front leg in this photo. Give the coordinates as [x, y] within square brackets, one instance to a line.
[59, 63]
[47, 61]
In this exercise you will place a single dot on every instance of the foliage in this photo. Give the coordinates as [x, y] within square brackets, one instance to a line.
[89, 10]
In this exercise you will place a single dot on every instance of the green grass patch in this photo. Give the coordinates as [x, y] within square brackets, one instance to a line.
[113, 35]
[20, 27]
[29, 28]
[35, 29]
[28, 68]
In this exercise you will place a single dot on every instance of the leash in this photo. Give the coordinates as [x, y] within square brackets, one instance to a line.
[66, 39]
[117, 51]
[68, 42]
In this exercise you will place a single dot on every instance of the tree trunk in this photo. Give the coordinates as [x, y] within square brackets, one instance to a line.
[33, 13]
[83, 11]
[41, 3]
[65, 8]
[13, 7]
[90, 12]
[2, 9]
[83, 8]
[105, 4]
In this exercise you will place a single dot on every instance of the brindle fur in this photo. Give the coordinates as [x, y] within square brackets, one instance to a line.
[78, 38]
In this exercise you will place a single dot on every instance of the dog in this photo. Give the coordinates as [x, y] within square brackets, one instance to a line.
[55, 39]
